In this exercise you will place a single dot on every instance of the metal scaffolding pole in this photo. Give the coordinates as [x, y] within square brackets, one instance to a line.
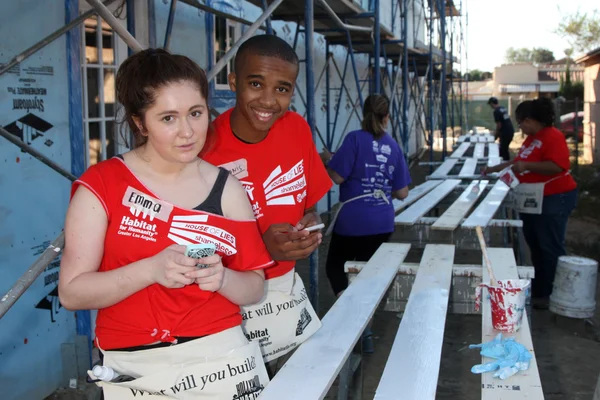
[268, 22]
[430, 86]
[36, 154]
[27, 279]
[339, 22]
[247, 34]
[170, 21]
[49, 39]
[130, 21]
[376, 88]
[444, 89]
[310, 116]
[405, 133]
[114, 23]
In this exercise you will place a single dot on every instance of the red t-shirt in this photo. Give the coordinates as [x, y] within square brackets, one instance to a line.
[283, 174]
[141, 225]
[549, 144]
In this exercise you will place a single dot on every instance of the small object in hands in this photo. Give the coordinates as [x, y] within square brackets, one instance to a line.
[507, 303]
[200, 250]
[314, 227]
[509, 357]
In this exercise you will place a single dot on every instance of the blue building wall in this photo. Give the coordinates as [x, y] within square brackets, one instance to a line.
[34, 105]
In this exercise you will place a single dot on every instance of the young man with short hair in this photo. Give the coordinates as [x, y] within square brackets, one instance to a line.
[271, 151]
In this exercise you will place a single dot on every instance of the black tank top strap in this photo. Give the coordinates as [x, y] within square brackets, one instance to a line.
[212, 204]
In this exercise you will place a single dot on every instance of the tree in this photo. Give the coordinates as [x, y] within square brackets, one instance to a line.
[540, 55]
[477, 75]
[537, 55]
[569, 89]
[582, 30]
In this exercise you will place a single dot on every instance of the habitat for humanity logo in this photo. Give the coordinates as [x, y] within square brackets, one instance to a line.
[192, 229]
[144, 209]
[280, 187]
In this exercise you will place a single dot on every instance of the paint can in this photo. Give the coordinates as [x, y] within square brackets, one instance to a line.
[508, 177]
[574, 291]
[507, 303]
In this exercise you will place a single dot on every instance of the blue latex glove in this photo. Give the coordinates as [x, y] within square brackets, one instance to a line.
[510, 357]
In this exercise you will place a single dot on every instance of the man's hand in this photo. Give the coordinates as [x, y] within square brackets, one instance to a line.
[287, 243]
[310, 218]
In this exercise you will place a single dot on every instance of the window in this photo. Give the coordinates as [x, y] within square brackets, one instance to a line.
[226, 34]
[102, 52]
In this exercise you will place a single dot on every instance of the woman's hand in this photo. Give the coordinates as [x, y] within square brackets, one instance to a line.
[519, 167]
[211, 278]
[170, 267]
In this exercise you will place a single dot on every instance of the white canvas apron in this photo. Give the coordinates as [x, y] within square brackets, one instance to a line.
[220, 366]
[283, 319]
[378, 194]
[528, 198]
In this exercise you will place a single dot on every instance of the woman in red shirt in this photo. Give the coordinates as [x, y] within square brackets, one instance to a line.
[543, 165]
[169, 323]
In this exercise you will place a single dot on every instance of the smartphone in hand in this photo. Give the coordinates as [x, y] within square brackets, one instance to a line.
[200, 250]
[314, 227]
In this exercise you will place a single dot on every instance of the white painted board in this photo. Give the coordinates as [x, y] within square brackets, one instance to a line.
[493, 161]
[525, 384]
[468, 168]
[493, 150]
[411, 215]
[461, 150]
[415, 194]
[479, 150]
[413, 366]
[314, 366]
[442, 171]
[457, 211]
[486, 210]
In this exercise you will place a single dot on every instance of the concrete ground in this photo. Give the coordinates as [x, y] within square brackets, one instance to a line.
[567, 350]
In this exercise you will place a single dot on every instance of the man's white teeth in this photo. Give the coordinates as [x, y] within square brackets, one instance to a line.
[264, 115]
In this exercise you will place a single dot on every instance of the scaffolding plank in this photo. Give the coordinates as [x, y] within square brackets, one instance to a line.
[442, 171]
[525, 384]
[422, 207]
[462, 149]
[414, 361]
[493, 161]
[314, 366]
[488, 207]
[479, 150]
[415, 194]
[457, 211]
[493, 150]
[464, 138]
[468, 168]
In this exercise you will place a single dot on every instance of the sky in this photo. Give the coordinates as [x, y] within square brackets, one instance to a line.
[494, 26]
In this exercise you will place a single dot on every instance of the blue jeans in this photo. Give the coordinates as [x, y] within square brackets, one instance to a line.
[545, 236]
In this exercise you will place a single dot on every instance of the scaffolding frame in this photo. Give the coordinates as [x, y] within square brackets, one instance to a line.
[411, 72]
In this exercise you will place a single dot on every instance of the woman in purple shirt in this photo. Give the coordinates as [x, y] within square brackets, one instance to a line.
[371, 170]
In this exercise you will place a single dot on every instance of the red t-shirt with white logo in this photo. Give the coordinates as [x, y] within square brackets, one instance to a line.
[549, 144]
[140, 225]
[283, 174]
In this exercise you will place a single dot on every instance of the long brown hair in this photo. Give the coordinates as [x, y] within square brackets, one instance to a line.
[376, 108]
